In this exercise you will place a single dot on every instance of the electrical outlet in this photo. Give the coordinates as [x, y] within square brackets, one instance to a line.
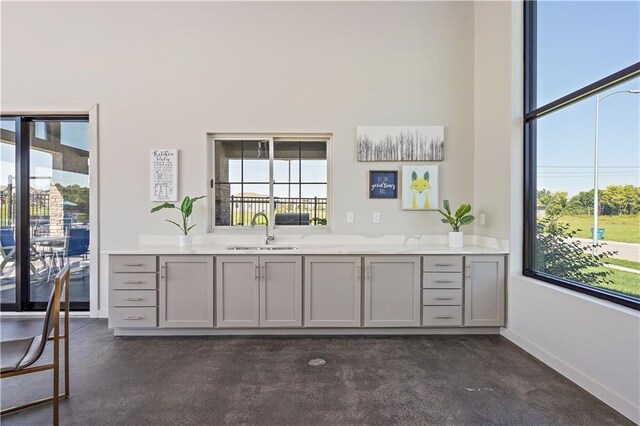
[376, 217]
[482, 219]
[349, 217]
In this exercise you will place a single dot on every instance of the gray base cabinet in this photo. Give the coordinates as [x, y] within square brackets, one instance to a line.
[280, 291]
[237, 291]
[259, 291]
[484, 290]
[186, 291]
[392, 291]
[133, 291]
[332, 291]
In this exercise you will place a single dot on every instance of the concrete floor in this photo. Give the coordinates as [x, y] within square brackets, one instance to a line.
[457, 380]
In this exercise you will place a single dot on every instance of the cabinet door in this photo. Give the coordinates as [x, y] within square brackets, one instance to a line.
[280, 291]
[392, 291]
[484, 291]
[332, 291]
[237, 279]
[186, 291]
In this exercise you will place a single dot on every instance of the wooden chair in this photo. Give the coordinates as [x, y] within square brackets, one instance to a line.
[17, 356]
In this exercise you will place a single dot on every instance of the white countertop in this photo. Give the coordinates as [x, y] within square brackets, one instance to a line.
[336, 245]
[363, 249]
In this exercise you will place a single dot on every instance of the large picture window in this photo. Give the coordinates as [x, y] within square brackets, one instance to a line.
[286, 178]
[582, 147]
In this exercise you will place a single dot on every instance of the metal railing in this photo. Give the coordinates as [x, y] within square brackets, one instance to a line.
[242, 209]
[38, 209]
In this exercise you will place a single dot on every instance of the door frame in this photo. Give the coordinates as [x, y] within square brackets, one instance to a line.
[90, 110]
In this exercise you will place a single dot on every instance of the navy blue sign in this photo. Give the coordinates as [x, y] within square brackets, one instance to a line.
[383, 184]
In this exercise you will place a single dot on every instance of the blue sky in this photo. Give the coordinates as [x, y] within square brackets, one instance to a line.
[579, 43]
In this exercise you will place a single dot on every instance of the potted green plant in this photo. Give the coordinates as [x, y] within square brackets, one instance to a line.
[186, 209]
[461, 217]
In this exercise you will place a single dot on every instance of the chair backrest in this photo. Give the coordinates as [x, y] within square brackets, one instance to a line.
[77, 241]
[36, 350]
[61, 280]
[7, 240]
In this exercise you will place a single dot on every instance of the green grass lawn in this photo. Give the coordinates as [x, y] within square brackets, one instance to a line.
[623, 282]
[625, 228]
[623, 262]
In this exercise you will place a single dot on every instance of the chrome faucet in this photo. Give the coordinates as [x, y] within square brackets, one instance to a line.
[268, 238]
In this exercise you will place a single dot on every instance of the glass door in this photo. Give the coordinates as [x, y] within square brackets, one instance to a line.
[8, 280]
[52, 208]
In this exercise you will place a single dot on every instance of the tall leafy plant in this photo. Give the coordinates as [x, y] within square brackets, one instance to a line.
[461, 217]
[186, 209]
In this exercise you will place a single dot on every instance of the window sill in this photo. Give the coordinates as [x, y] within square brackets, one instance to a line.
[616, 298]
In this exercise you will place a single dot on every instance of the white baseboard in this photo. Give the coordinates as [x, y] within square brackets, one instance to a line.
[617, 402]
[302, 331]
[102, 313]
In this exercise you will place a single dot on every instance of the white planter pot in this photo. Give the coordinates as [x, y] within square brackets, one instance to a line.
[185, 240]
[456, 239]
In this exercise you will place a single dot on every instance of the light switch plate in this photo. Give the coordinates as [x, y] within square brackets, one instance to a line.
[376, 217]
[349, 217]
[482, 219]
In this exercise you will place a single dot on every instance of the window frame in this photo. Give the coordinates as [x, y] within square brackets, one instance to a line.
[272, 138]
[530, 116]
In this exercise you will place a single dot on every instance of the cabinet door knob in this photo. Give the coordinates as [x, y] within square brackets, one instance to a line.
[443, 298]
[133, 318]
[133, 264]
[443, 317]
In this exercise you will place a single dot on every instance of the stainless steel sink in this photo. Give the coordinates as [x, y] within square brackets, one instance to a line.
[267, 248]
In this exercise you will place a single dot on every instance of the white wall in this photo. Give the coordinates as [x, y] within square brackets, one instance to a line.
[165, 74]
[594, 343]
[492, 125]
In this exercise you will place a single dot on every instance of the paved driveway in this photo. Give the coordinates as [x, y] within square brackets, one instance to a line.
[627, 251]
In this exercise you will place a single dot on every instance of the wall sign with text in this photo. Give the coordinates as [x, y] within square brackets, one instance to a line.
[383, 184]
[164, 174]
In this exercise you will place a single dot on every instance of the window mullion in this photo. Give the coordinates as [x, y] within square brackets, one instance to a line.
[272, 204]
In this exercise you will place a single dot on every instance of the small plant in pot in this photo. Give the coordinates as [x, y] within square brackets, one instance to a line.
[186, 209]
[461, 217]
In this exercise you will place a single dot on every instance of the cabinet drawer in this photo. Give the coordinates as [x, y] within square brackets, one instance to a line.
[441, 297]
[143, 281]
[443, 316]
[442, 264]
[134, 298]
[133, 263]
[137, 317]
[442, 280]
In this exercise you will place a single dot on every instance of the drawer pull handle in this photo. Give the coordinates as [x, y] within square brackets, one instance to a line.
[133, 264]
[444, 264]
[133, 299]
[443, 317]
[134, 282]
[133, 318]
[444, 281]
[443, 298]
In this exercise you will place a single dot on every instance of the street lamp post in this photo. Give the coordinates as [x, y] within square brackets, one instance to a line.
[596, 165]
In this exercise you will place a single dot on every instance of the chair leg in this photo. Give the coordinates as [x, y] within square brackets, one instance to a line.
[56, 355]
